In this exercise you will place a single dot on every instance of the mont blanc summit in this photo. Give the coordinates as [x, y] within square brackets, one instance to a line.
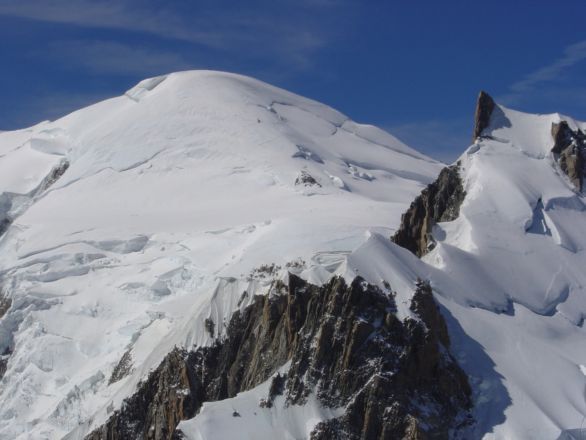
[211, 257]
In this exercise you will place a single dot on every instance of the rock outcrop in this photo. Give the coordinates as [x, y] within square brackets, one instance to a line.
[3, 362]
[122, 369]
[4, 224]
[5, 304]
[169, 395]
[439, 202]
[569, 149]
[413, 388]
[9, 211]
[484, 108]
[306, 179]
[395, 378]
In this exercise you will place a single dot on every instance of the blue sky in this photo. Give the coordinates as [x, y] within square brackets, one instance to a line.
[413, 68]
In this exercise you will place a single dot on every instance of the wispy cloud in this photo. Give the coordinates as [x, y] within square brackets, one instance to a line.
[106, 43]
[115, 14]
[571, 56]
[239, 32]
[107, 57]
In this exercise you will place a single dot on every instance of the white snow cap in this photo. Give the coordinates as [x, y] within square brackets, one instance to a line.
[175, 193]
[180, 190]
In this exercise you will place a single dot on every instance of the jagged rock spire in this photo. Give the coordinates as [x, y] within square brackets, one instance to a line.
[569, 149]
[439, 202]
[484, 108]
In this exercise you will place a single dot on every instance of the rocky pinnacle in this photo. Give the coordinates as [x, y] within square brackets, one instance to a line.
[569, 150]
[484, 108]
[439, 202]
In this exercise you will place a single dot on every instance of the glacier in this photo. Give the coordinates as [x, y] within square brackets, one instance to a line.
[131, 224]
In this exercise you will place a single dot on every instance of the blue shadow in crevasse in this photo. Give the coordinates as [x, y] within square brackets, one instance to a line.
[573, 434]
[489, 395]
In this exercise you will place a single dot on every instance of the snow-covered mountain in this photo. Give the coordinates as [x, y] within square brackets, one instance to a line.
[212, 252]
[511, 271]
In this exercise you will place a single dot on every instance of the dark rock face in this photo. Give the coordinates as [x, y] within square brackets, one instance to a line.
[276, 389]
[5, 304]
[122, 369]
[4, 224]
[412, 388]
[5, 214]
[209, 326]
[396, 379]
[168, 395]
[484, 108]
[306, 179]
[3, 363]
[439, 202]
[54, 176]
[569, 149]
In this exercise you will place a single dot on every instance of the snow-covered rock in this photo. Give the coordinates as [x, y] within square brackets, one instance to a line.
[140, 226]
[511, 273]
[176, 194]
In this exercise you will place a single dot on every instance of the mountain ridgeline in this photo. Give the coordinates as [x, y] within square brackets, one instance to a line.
[440, 201]
[207, 257]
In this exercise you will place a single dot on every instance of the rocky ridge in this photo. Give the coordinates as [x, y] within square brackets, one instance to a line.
[484, 107]
[395, 379]
[439, 202]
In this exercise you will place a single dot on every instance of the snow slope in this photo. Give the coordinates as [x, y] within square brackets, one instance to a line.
[182, 194]
[241, 417]
[176, 194]
[517, 253]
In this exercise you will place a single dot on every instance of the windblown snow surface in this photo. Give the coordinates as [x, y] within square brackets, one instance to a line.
[187, 190]
[175, 194]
